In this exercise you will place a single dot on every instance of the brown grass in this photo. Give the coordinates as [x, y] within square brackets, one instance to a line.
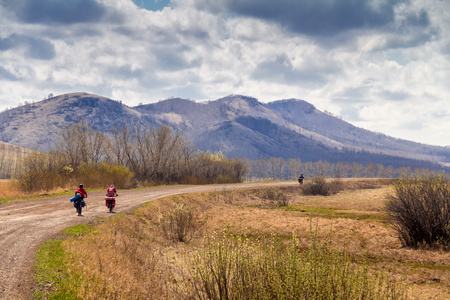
[130, 258]
[10, 191]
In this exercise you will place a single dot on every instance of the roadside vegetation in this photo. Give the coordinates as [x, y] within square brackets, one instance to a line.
[127, 158]
[420, 211]
[141, 157]
[274, 243]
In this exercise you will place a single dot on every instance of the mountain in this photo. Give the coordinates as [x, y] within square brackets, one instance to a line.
[37, 125]
[236, 125]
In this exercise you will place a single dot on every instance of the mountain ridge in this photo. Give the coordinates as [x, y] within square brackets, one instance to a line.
[237, 125]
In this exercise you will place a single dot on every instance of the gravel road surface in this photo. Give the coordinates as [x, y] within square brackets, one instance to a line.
[25, 225]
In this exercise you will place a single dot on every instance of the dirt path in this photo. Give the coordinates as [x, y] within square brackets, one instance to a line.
[27, 224]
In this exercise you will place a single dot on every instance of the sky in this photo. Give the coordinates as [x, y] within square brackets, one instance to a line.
[382, 65]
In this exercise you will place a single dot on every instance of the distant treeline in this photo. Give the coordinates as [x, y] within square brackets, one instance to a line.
[280, 169]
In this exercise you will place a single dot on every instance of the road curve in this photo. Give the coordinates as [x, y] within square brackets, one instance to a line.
[25, 225]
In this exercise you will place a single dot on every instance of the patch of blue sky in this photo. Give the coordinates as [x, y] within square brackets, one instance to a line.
[153, 5]
[399, 57]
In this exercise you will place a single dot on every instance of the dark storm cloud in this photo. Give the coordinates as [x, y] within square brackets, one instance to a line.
[322, 18]
[33, 47]
[413, 30]
[56, 11]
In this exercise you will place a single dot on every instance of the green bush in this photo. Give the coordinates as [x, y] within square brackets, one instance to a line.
[420, 211]
[231, 267]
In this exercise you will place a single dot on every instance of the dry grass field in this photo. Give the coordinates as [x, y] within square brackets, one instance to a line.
[9, 190]
[130, 257]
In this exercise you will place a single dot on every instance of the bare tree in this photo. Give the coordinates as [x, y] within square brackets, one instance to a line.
[126, 142]
[276, 165]
[261, 167]
[370, 170]
[390, 172]
[166, 150]
[3, 171]
[357, 170]
[80, 143]
[321, 168]
[295, 165]
[381, 171]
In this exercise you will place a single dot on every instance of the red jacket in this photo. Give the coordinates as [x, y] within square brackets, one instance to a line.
[111, 191]
[82, 192]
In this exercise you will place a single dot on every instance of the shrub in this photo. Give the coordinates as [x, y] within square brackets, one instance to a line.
[101, 175]
[42, 172]
[231, 267]
[178, 223]
[318, 186]
[45, 172]
[420, 211]
[336, 186]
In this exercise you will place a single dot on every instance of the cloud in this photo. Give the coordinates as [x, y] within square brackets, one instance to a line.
[32, 47]
[322, 18]
[357, 59]
[52, 12]
[281, 69]
[6, 75]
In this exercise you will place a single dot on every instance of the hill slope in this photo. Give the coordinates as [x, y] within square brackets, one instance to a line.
[37, 125]
[236, 125]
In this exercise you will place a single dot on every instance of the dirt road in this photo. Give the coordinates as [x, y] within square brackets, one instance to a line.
[27, 224]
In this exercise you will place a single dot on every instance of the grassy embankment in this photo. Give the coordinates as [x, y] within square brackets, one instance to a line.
[10, 191]
[340, 245]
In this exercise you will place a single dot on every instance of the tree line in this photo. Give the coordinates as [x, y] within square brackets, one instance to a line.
[126, 157]
[277, 168]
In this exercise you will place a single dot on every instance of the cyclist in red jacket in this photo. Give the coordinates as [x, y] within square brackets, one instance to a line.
[111, 192]
[79, 203]
[81, 191]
